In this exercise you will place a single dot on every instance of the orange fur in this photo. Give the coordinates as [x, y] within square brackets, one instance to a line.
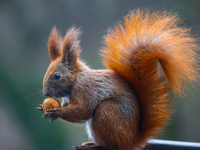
[134, 50]
[70, 46]
[54, 44]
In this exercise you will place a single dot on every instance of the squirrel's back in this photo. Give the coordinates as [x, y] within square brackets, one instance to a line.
[138, 49]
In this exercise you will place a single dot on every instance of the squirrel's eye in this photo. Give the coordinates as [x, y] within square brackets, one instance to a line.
[56, 76]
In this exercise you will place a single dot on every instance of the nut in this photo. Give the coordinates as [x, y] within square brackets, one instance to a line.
[50, 103]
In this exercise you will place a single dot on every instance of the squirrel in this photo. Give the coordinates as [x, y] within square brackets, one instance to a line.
[147, 56]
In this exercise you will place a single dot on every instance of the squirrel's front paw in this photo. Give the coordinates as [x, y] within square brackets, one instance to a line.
[52, 113]
[51, 108]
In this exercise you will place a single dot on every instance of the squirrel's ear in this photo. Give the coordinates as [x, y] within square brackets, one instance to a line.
[70, 47]
[54, 44]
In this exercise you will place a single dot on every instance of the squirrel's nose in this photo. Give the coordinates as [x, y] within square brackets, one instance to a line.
[46, 92]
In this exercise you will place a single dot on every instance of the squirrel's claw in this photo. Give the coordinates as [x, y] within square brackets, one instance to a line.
[39, 107]
[54, 110]
[52, 113]
[92, 147]
[89, 146]
[80, 147]
[52, 119]
[88, 143]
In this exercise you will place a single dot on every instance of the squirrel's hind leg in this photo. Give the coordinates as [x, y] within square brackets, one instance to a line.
[114, 124]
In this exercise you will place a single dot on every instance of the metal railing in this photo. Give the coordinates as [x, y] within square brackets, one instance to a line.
[171, 145]
[161, 145]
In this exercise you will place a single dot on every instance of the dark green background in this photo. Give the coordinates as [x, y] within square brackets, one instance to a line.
[24, 29]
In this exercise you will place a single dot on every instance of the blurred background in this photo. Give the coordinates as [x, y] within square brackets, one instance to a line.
[25, 26]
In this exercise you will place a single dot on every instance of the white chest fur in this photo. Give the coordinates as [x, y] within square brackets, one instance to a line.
[89, 129]
[65, 101]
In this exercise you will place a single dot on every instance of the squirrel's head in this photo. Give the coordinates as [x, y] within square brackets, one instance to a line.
[64, 53]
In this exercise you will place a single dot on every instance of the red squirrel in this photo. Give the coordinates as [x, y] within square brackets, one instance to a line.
[147, 56]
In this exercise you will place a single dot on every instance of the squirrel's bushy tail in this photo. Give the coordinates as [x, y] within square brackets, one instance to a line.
[138, 49]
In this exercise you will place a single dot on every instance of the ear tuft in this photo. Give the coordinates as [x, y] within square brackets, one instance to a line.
[70, 47]
[54, 44]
